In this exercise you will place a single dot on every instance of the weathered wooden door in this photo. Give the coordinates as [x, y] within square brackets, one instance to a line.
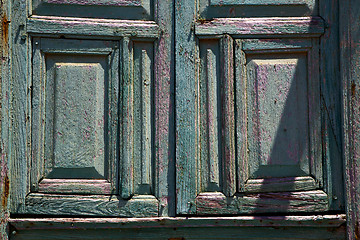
[258, 107]
[90, 94]
[155, 108]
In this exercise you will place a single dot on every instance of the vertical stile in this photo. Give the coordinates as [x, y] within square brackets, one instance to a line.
[128, 120]
[228, 116]
[314, 111]
[241, 116]
[37, 119]
[146, 118]
[114, 121]
[212, 117]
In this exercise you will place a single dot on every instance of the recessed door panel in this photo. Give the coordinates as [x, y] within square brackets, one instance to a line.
[76, 106]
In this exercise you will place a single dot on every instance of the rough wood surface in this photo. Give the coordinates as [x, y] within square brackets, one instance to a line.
[4, 111]
[250, 27]
[275, 202]
[62, 26]
[350, 75]
[91, 205]
[260, 2]
[75, 186]
[248, 227]
[186, 89]
[280, 184]
[321, 221]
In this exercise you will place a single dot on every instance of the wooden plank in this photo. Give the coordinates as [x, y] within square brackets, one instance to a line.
[92, 205]
[127, 132]
[259, 2]
[269, 27]
[331, 104]
[64, 26]
[75, 186]
[227, 116]
[241, 119]
[20, 108]
[186, 102]
[146, 75]
[318, 221]
[5, 44]
[117, 3]
[275, 202]
[350, 75]
[212, 117]
[164, 112]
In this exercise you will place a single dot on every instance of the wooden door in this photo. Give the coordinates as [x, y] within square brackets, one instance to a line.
[90, 95]
[258, 107]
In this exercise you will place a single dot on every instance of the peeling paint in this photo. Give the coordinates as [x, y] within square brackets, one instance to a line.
[4, 33]
[5, 195]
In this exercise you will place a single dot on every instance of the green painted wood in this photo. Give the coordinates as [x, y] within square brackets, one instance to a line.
[257, 8]
[187, 93]
[349, 65]
[331, 103]
[88, 27]
[123, 9]
[164, 111]
[275, 202]
[319, 221]
[19, 138]
[267, 27]
[5, 41]
[74, 135]
[281, 227]
[90, 205]
[131, 113]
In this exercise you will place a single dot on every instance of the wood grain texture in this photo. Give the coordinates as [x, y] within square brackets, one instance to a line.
[331, 103]
[319, 221]
[268, 233]
[186, 102]
[62, 26]
[19, 108]
[280, 184]
[269, 27]
[164, 112]
[228, 116]
[275, 202]
[127, 115]
[74, 136]
[274, 80]
[350, 75]
[74, 186]
[4, 114]
[243, 227]
[260, 2]
[92, 205]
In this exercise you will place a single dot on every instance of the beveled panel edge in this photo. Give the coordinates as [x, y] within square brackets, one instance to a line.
[69, 26]
[267, 27]
[90, 205]
[280, 184]
[251, 203]
[75, 186]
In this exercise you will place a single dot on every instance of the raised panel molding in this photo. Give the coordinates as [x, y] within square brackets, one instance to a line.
[80, 99]
[276, 85]
[73, 131]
